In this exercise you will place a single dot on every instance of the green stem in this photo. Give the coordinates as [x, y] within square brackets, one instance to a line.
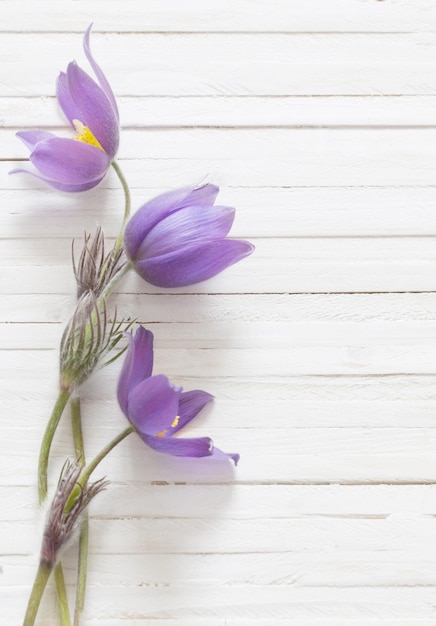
[76, 423]
[127, 203]
[112, 283]
[82, 568]
[61, 595]
[42, 576]
[101, 455]
[81, 483]
[47, 440]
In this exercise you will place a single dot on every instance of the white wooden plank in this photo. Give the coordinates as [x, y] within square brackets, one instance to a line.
[295, 442]
[247, 308]
[187, 536]
[282, 157]
[401, 401]
[231, 111]
[391, 64]
[292, 211]
[358, 457]
[256, 334]
[221, 16]
[274, 603]
[234, 501]
[254, 569]
[277, 266]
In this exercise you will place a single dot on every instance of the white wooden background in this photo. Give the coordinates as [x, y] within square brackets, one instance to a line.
[318, 121]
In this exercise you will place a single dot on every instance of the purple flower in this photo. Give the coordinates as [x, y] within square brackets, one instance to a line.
[81, 162]
[179, 238]
[156, 408]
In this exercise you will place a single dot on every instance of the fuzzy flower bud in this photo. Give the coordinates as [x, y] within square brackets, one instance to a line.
[94, 270]
[86, 340]
[63, 516]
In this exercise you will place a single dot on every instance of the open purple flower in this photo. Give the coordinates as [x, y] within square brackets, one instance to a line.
[179, 238]
[156, 408]
[81, 162]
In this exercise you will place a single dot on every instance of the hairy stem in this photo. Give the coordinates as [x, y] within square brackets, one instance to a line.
[82, 568]
[47, 440]
[61, 596]
[41, 578]
[76, 423]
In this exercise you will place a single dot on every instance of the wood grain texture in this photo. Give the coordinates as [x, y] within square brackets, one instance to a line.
[318, 121]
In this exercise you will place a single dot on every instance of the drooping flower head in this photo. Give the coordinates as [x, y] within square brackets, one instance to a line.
[157, 409]
[179, 238]
[81, 162]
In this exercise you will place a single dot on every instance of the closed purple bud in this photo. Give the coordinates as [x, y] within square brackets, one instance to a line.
[180, 238]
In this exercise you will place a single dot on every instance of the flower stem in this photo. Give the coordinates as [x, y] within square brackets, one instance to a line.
[61, 595]
[82, 568]
[76, 423]
[113, 282]
[127, 203]
[101, 455]
[42, 576]
[47, 440]
[81, 483]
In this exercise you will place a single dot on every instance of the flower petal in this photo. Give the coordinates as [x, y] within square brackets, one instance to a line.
[190, 404]
[195, 447]
[152, 405]
[137, 366]
[186, 227]
[193, 264]
[153, 211]
[104, 84]
[219, 455]
[69, 162]
[57, 185]
[31, 138]
[92, 107]
[65, 100]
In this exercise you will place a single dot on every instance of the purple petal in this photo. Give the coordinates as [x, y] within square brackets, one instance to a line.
[31, 138]
[69, 162]
[104, 84]
[219, 455]
[190, 404]
[92, 107]
[186, 227]
[153, 211]
[137, 366]
[194, 264]
[65, 100]
[195, 447]
[57, 185]
[152, 405]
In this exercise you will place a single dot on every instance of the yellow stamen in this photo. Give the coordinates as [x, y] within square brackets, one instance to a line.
[86, 135]
[173, 425]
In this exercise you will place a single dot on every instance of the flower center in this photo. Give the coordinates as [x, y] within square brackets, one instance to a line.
[86, 135]
[173, 425]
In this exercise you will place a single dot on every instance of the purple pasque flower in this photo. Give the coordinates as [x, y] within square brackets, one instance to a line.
[81, 162]
[156, 408]
[179, 238]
